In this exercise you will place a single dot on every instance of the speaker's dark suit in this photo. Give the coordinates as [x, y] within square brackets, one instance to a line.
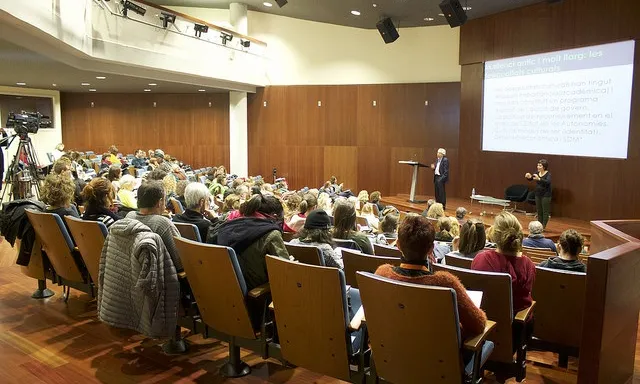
[440, 180]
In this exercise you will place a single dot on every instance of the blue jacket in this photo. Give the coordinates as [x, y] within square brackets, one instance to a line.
[539, 241]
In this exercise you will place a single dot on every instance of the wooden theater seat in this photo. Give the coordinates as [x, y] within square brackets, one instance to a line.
[89, 237]
[307, 254]
[310, 304]
[538, 255]
[188, 231]
[355, 261]
[395, 310]
[177, 206]
[497, 303]
[458, 261]
[386, 250]
[560, 297]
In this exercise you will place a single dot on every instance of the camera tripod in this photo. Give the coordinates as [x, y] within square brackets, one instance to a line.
[23, 174]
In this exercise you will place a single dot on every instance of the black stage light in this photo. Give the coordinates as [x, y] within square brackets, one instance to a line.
[129, 5]
[167, 18]
[200, 29]
[245, 43]
[226, 37]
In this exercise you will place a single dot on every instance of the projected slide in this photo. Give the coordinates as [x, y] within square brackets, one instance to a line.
[575, 102]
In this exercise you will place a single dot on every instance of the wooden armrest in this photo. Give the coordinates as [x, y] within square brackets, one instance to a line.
[182, 275]
[475, 343]
[523, 315]
[260, 290]
[357, 320]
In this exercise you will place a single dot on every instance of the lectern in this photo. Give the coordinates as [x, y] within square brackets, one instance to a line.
[416, 166]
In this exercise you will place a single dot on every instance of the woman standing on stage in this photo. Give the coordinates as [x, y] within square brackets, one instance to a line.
[542, 191]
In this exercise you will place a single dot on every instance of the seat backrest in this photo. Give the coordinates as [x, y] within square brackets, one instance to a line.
[362, 221]
[348, 244]
[188, 231]
[288, 236]
[355, 261]
[57, 243]
[89, 237]
[311, 312]
[538, 255]
[560, 297]
[307, 254]
[177, 206]
[458, 261]
[497, 302]
[394, 311]
[218, 286]
[516, 192]
[386, 250]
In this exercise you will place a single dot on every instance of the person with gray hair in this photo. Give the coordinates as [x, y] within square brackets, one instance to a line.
[536, 239]
[441, 176]
[197, 200]
[461, 212]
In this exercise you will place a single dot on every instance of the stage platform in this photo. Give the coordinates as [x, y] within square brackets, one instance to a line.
[555, 227]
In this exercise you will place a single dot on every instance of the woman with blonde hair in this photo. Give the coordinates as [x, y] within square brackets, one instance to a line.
[508, 258]
[472, 239]
[308, 204]
[57, 192]
[324, 202]
[126, 196]
[363, 198]
[372, 219]
[291, 206]
[436, 211]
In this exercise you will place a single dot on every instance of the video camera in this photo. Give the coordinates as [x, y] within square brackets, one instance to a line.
[27, 122]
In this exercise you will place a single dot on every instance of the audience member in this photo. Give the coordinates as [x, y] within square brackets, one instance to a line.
[114, 175]
[372, 219]
[508, 258]
[125, 194]
[254, 235]
[344, 217]
[436, 211]
[156, 174]
[415, 240]
[363, 198]
[169, 183]
[151, 205]
[335, 187]
[113, 157]
[231, 204]
[317, 232]
[430, 202]
[461, 212]
[569, 246]
[324, 202]
[98, 197]
[292, 206]
[139, 161]
[472, 239]
[158, 155]
[197, 199]
[374, 198]
[57, 192]
[443, 227]
[308, 204]
[536, 239]
[180, 189]
[388, 229]
[218, 186]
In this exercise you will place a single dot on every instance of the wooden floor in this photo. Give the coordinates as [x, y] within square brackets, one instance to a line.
[49, 341]
[554, 228]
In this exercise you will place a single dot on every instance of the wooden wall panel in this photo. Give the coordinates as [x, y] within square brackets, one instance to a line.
[585, 188]
[182, 125]
[357, 141]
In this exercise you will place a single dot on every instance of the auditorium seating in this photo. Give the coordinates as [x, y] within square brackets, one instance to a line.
[355, 261]
[177, 206]
[560, 298]
[313, 319]
[458, 261]
[188, 231]
[497, 304]
[307, 254]
[409, 343]
[59, 249]
[538, 255]
[89, 237]
[348, 244]
[386, 250]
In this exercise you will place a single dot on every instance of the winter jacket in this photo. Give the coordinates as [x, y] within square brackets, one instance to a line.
[14, 223]
[566, 265]
[138, 284]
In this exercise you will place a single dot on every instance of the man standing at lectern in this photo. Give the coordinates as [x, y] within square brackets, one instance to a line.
[441, 176]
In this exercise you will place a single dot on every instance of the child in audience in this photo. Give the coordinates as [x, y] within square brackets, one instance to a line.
[317, 232]
[569, 247]
[508, 258]
[98, 197]
[308, 204]
[415, 240]
[344, 214]
[472, 239]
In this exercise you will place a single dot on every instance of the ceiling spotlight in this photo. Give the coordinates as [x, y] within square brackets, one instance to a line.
[429, 19]
[355, 13]
[226, 37]
[245, 43]
[152, 84]
[147, 90]
[100, 77]
[375, 5]
[54, 85]
[21, 83]
[466, 8]
[281, 3]
[202, 90]
[167, 18]
[200, 29]
[85, 84]
[129, 5]
[266, 4]
[441, 14]
[92, 90]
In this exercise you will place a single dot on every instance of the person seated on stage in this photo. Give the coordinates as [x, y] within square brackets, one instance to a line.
[344, 221]
[569, 246]
[197, 198]
[317, 232]
[125, 194]
[415, 241]
[151, 205]
[508, 258]
[57, 192]
[308, 204]
[139, 161]
[461, 212]
[374, 198]
[388, 230]
[98, 197]
[472, 239]
[181, 186]
[436, 211]
[114, 175]
[113, 157]
[536, 239]
[372, 219]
